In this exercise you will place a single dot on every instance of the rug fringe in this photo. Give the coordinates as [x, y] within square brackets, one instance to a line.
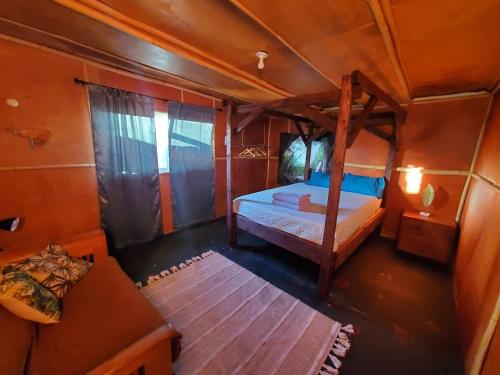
[152, 279]
[332, 363]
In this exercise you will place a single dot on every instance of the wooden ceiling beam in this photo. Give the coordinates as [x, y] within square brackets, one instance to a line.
[307, 99]
[379, 133]
[371, 88]
[381, 11]
[374, 120]
[377, 119]
[315, 116]
[286, 115]
[316, 98]
[111, 17]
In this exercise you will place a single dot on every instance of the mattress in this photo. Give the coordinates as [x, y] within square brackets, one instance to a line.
[354, 210]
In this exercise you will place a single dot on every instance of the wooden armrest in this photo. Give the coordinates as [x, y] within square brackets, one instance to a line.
[136, 351]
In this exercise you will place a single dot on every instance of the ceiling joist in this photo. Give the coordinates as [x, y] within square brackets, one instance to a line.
[308, 99]
[383, 20]
[373, 90]
[251, 117]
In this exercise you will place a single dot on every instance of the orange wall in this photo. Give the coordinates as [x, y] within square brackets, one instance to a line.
[477, 267]
[57, 198]
[249, 175]
[56, 202]
[438, 136]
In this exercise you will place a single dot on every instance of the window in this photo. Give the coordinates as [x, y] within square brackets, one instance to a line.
[293, 157]
[161, 125]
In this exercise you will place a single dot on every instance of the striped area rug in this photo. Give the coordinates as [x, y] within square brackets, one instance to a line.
[234, 322]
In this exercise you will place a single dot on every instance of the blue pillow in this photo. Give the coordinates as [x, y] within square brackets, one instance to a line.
[319, 179]
[363, 185]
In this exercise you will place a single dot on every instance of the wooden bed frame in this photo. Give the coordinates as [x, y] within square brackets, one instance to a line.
[308, 249]
[322, 113]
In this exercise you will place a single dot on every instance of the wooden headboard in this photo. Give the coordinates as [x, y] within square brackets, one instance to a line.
[90, 246]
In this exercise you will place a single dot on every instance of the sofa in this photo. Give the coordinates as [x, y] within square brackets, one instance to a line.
[107, 327]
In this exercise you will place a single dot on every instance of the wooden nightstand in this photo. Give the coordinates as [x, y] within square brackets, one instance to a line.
[429, 237]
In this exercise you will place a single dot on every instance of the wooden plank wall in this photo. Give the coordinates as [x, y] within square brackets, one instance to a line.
[57, 201]
[54, 186]
[477, 276]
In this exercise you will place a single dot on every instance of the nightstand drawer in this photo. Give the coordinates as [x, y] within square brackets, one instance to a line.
[426, 237]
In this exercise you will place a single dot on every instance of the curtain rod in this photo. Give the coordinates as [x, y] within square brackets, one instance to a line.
[84, 83]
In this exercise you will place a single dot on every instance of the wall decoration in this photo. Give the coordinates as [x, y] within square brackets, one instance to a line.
[35, 137]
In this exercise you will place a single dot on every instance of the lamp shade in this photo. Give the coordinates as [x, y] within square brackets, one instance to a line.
[9, 224]
[413, 180]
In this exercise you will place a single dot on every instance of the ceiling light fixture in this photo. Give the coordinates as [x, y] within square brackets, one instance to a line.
[261, 55]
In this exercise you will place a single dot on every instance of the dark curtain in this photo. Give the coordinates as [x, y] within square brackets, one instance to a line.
[192, 169]
[292, 157]
[127, 166]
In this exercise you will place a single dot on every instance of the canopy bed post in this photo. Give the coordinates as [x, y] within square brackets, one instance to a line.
[337, 169]
[307, 165]
[231, 217]
[393, 158]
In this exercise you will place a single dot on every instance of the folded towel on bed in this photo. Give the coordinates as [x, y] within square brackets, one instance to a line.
[292, 198]
[302, 206]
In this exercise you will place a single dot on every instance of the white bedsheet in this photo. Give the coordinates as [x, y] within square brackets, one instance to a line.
[354, 210]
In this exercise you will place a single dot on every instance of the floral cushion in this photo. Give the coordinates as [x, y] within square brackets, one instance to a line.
[26, 298]
[55, 269]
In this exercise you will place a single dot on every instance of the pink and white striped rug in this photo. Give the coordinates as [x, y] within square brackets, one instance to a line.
[234, 322]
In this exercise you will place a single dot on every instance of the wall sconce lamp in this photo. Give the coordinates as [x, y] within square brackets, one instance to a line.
[35, 137]
[10, 224]
[413, 183]
[413, 180]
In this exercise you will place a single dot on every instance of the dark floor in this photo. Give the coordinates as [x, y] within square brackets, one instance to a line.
[401, 307]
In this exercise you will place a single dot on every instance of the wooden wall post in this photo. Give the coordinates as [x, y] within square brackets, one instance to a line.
[231, 217]
[307, 164]
[337, 170]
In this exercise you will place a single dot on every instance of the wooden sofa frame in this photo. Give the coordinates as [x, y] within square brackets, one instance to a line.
[322, 113]
[152, 354]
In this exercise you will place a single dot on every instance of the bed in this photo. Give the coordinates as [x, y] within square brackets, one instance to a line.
[358, 105]
[357, 213]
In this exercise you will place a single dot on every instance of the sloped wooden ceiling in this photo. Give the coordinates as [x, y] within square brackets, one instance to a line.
[448, 46]
[408, 47]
